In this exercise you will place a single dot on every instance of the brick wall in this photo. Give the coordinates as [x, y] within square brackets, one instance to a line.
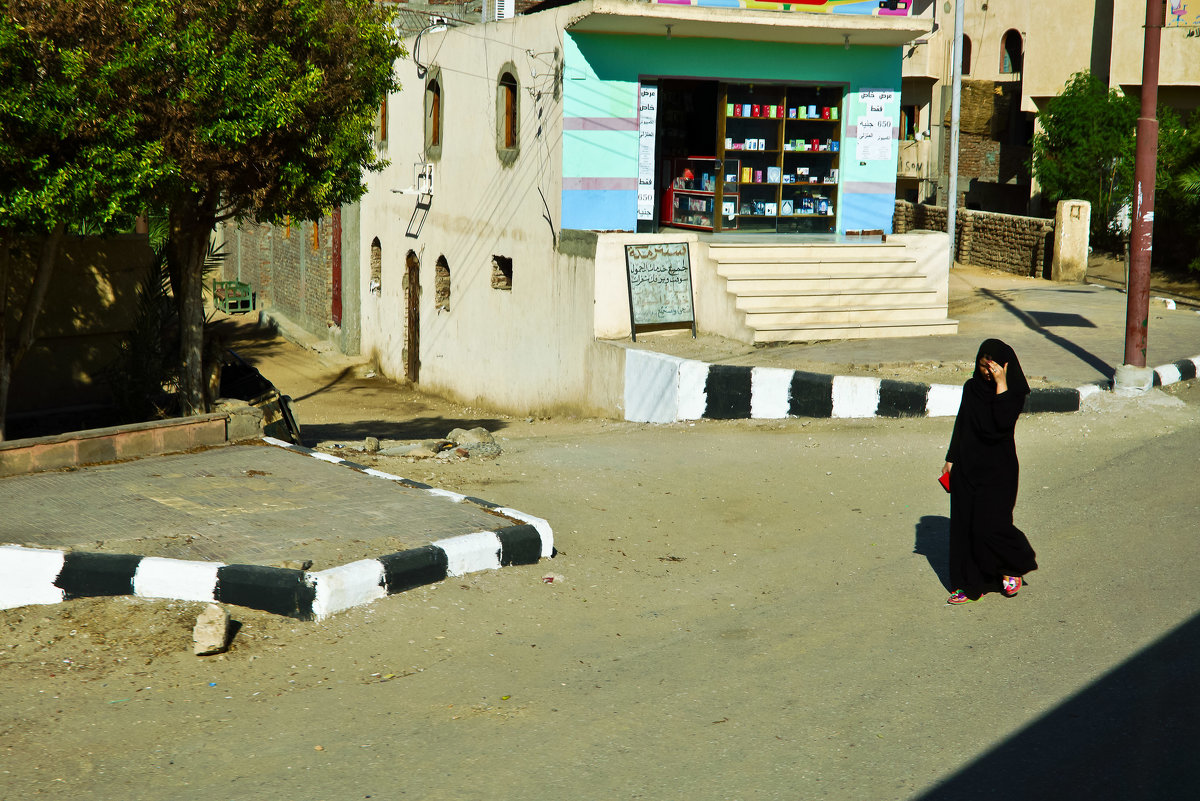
[1007, 242]
[289, 267]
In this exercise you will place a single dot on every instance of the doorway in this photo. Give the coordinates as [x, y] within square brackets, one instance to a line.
[412, 328]
[335, 300]
[687, 128]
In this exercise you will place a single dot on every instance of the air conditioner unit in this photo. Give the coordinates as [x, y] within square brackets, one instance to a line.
[423, 178]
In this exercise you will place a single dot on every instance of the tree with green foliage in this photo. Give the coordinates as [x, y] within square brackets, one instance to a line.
[1084, 150]
[70, 150]
[261, 108]
[1177, 193]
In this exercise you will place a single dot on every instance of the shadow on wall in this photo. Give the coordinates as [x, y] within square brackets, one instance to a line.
[89, 308]
[1132, 734]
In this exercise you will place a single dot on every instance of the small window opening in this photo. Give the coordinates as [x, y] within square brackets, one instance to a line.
[376, 267]
[966, 55]
[909, 122]
[433, 114]
[381, 126]
[441, 285]
[508, 110]
[501, 272]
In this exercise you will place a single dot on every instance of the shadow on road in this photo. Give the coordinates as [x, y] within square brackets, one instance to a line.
[933, 542]
[1132, 734]
[1032, 323]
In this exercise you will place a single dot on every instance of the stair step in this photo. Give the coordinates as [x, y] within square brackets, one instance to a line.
[818, 293]
[821, 276]
[753, 308]
[870, 330]
[814, 260]
[752, 246]
[786, 318]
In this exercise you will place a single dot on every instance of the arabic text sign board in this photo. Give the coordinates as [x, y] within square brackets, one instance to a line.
[660, 285]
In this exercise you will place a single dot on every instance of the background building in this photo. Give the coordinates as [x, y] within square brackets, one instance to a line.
[1018, 54]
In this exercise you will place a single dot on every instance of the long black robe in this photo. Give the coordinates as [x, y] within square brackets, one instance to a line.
[984, 543]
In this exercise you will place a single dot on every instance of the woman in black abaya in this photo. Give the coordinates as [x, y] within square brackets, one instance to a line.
[987, 552]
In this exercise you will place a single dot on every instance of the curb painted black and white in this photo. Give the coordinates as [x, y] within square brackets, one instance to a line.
[667, 389]
[1182, 370]
[46, 576]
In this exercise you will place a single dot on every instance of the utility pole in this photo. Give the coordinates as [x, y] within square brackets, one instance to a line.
[955, 109]
[1134, 375]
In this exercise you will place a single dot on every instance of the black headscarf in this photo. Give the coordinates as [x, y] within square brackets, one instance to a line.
[1006, 357]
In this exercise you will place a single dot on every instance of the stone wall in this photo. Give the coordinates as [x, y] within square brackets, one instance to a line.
[1007, 242]
[287, 266]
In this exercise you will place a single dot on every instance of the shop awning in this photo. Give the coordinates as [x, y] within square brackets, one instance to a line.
[662, 20]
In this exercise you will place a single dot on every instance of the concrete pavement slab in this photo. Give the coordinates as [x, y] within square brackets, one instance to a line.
[263, 525]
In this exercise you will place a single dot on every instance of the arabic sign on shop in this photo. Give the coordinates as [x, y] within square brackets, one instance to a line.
[876, 123]
[647, 125]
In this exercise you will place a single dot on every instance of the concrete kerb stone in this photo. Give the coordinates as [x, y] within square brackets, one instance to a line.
[668, 389]
[47, 576]
[1182, 370]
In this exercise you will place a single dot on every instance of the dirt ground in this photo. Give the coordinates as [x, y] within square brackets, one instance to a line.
[703, 613]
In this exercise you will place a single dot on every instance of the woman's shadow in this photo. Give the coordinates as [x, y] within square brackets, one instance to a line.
[933, 542]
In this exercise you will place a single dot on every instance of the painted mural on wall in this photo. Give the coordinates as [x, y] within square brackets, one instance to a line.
[1180, 16]
[882, 8]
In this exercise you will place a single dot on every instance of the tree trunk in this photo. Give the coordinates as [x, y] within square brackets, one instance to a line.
[13, 350]
[191, 226]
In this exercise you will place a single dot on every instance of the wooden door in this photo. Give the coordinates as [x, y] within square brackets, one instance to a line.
[335, 311]
[412, 297]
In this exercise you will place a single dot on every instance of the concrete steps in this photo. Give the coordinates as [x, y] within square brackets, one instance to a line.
[814, 333]
[805, 292]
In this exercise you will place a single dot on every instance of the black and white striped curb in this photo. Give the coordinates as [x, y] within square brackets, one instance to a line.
[45, 576]
[1173, 373]
[666, 389]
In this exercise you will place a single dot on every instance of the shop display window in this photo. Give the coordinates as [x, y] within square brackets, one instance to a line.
[692, 198]
[786, 140]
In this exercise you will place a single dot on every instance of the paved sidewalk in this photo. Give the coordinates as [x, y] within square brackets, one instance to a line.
[270, 526]
[1071, 334]
[236, 504]
[1070, 339]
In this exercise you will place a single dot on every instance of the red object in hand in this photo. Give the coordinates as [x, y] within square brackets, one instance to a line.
[944, 480]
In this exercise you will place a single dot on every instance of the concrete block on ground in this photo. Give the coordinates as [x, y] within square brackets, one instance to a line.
[244, 422]
[211, 633]
[1071, 231]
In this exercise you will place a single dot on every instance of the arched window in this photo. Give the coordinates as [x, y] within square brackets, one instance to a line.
[433, 116]
[376, 285]
[508, 115]
[441, 285]
[1010, 53]
[966, 55]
